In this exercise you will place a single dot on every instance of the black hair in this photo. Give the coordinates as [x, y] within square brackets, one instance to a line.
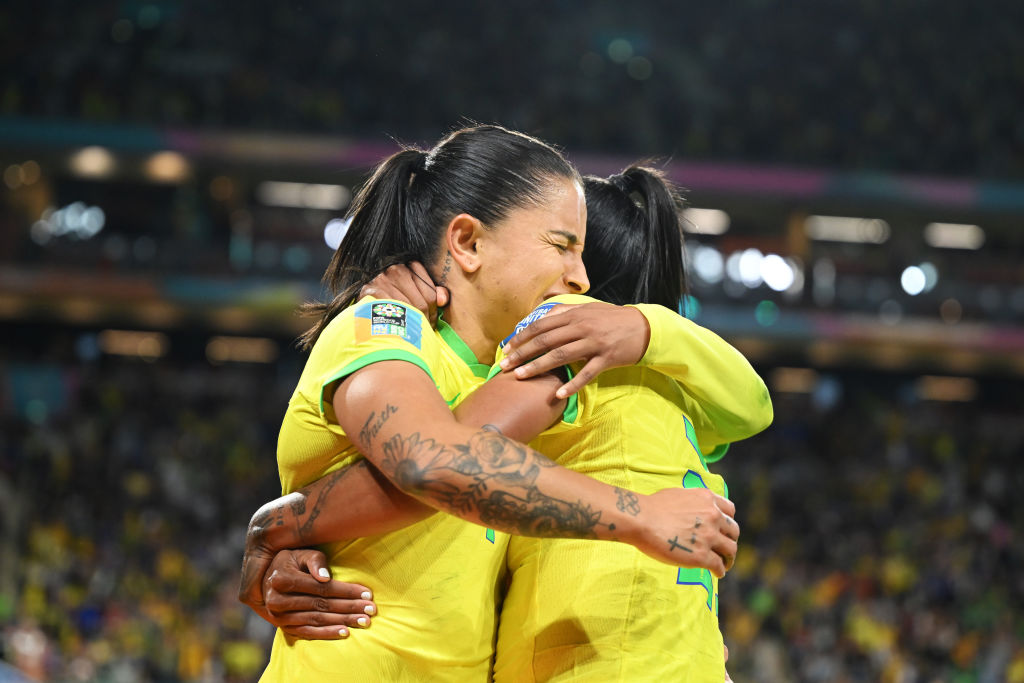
[634, 248]
[400, 214]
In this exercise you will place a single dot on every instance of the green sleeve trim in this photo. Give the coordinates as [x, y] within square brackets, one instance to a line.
[495, 369]
[572, 407]
[718, 453]
[370, 359]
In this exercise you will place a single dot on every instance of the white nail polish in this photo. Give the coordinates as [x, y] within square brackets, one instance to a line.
[343, 632]
[370, 609]
[367, 595]
[363, 621]
[324, 573]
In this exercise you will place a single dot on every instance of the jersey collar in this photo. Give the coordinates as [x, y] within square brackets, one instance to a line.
[461, 349]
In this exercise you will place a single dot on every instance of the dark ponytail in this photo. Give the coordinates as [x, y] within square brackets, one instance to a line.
[402, 211]
[634, 248]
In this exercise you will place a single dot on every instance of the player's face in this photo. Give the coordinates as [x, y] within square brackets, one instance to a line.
[539, 253]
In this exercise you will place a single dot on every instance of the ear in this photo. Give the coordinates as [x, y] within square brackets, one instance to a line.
[461, 239]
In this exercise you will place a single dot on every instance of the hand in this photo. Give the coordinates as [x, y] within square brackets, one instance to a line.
[728, 678]
[303, 601]
[604, 335]
[690, 528]
[409, 283]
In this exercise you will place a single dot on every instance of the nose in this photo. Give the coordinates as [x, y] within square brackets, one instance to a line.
[576, 277]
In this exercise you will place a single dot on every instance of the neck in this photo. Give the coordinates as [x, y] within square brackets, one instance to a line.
[462, 315]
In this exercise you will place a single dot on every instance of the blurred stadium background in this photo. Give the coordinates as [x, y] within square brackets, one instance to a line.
[173, 173]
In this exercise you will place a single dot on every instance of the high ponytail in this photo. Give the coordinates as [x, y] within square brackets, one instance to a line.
[402, 211]
[377, 237]
[634, 248]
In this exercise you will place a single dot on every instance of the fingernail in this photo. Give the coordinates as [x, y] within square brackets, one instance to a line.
[367, 595]
[370, 609]
[363, 621]
[343, 632]
[324, 573]
[560, 393]
[519, 372]
[504, 363]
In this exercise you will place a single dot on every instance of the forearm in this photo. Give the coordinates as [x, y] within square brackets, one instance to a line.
[732, 401]
[352, 502]
[484, 477]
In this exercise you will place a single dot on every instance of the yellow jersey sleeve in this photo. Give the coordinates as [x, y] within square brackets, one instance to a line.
[371, 331]
[727, 399]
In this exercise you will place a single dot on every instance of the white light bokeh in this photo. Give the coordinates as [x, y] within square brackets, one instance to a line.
[913, 280]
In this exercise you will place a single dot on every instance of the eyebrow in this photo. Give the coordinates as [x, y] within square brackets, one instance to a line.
[573, 239]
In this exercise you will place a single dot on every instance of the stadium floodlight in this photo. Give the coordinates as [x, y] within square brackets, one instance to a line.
[954, 236]
[847, 229]
[705, 221]
[146, 345]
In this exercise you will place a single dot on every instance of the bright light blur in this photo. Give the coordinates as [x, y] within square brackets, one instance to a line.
[303, 195]
[954, 236]
[335, 230]
[92, 162]
[844, 229]
[913, 280]
[777, 273]
[167, 167]
[241, 350]
[750, 267]
[705, 221]
[146, 345]
[708, 264]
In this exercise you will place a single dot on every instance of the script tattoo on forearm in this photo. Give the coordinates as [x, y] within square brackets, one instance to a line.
[495, 477]
[627, 502]
[374, 423]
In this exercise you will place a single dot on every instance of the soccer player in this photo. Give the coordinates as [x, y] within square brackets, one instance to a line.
[494, 213]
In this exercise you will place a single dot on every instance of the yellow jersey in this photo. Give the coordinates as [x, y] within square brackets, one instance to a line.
[604, 611]
[436, 582]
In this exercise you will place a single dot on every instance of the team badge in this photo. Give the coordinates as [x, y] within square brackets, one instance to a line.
[387, 318]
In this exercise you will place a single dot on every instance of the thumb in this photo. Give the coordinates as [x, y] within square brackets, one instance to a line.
[316, 563]
[442, 296]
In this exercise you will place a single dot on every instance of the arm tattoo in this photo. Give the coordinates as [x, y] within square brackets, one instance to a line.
[627, 502]
[494, 477]
[374, 423]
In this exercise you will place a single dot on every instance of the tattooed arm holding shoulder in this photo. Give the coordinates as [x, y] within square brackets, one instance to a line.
[478, 474]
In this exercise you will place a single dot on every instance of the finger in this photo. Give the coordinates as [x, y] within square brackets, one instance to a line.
[420, 272]
[562, 352]
[730, 527]
[725, 548]
[315, 563]
[317, 632]
[443, 296]
[281, 604]
[726, 653]
[295, 582]
[725, 505]
[588, 372]
[322, 619]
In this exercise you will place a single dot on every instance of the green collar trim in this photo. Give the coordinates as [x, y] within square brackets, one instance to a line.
[461, 349]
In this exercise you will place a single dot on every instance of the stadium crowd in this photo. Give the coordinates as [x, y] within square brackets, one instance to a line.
[861, 85]
[880, 535]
